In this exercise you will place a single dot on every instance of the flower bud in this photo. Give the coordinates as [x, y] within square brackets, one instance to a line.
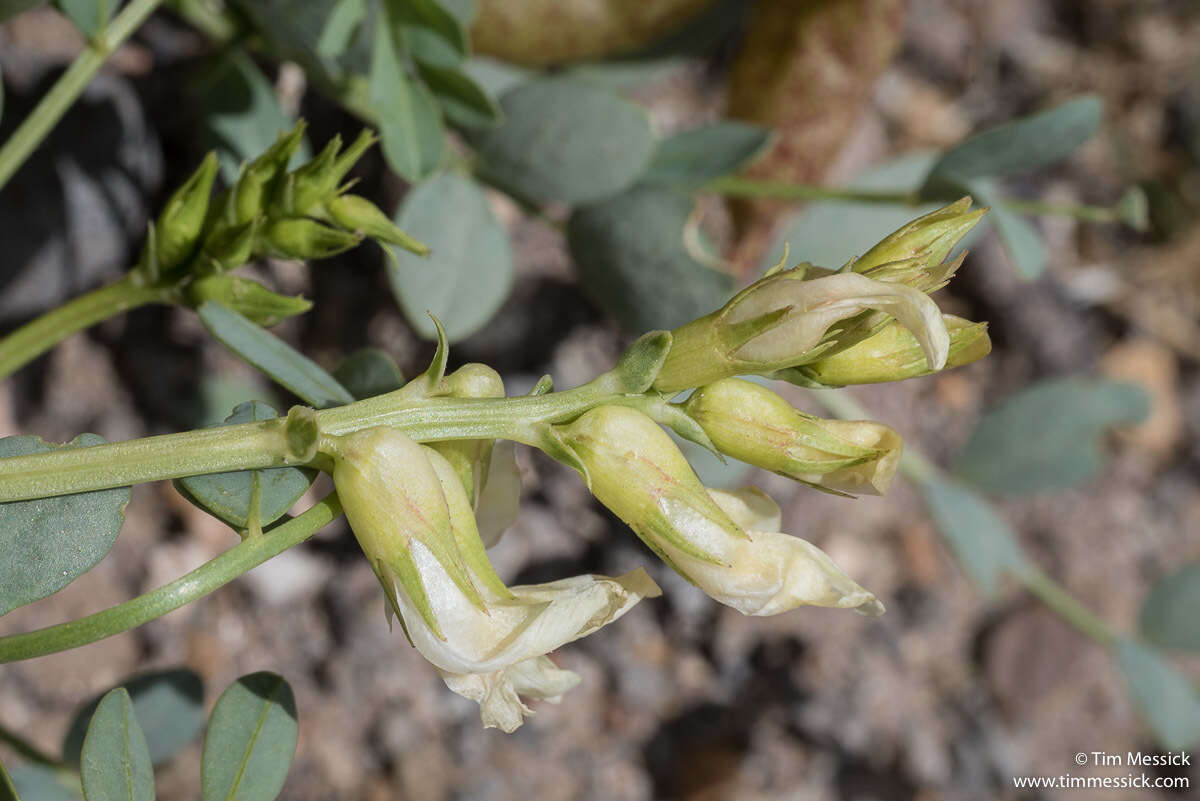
[253, 184]
[178, 228]
[751, 423]
[783, 320]
[363, 217]
[229, 247]
[249, 298]
[892, 354]
[301, 238]
[929, 238]
[315, 183]
[635, 470]
[413, 520]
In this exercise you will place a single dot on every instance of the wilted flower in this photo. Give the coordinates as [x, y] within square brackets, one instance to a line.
[411, 515]
[635, 470]
[754, 424]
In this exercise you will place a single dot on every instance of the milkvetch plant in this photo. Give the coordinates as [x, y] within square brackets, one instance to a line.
[424, 472]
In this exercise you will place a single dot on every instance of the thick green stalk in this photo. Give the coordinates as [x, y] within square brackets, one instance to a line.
[263, 444]
[35, 338]
[200, 582]
[72, 83]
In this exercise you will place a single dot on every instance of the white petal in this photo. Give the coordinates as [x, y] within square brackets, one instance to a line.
[542, 618]
[500, 499]
[499, 693]
[750, 508]
[769, 573]
[821, 302]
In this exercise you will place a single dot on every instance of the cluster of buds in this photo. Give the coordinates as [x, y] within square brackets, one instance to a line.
[425, 514]
[304, 213]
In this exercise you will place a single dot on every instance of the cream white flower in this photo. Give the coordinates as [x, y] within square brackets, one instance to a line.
[411, 514]
[727, 544]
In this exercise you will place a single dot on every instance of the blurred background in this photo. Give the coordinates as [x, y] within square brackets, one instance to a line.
[948, 696]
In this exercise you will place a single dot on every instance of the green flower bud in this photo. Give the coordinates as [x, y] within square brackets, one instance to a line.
[363, 217]
[249, 298]
[751, 423]
[317, 182]
[301, 238]
[929, 238]
[178, 228]
[783, 321]
[254, 183]
[892, 354]
[228, 248]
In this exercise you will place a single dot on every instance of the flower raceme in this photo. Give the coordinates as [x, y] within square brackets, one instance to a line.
[634, 469]
[412, 517]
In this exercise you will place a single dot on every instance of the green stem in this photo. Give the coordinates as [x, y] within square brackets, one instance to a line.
[196, 584]
[781, 190]
[1086, 213]
[251, 446]
[1066, 606]
[35, 338]
[63, 471]
[60, 97]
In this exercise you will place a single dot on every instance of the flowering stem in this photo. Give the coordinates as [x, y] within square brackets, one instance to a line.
[68, 87]
[40, 335]
[264, 444]
[210, 576]
[919, 469]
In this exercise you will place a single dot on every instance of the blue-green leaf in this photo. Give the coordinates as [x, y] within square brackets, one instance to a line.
[241, 115]
[464, 102]
[1048, 437]
[169, 705]
[694, 157]
[89, 16]
[1169, 615]
[115, 763]
[984, 543]
[35, 782]
[251, 740]
[48, 543]
[432, 34]
[369, 372]
[1167, 700]
[1020, 239]
[232, 496]
[343, 22]
[630, 255]
[274, 357]
[565, 139]
[468, 274]
[410, 124]
[1024, 144]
